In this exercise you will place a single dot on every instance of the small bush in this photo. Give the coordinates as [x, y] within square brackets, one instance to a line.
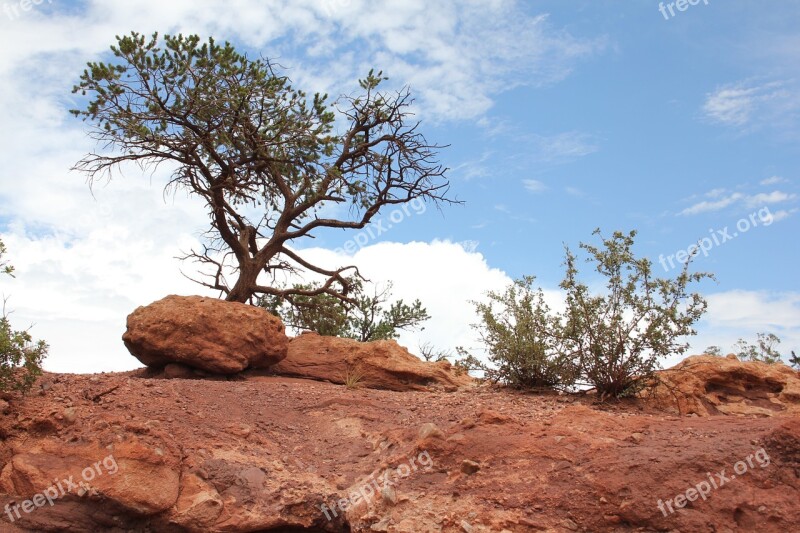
[764, 350]
[20, 358]
[520, 340]
[620, 336]
[610, 341]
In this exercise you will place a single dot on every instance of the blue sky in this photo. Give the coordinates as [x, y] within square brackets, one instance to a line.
[560, 116]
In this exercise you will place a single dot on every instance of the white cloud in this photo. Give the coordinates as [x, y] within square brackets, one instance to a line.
[747, 105]
[534, 186]
[707, 206]
[748, 200]
[730, 105]
[783, 214]
[564, 146]
[773, 197]
[739, 314]
[774, 180]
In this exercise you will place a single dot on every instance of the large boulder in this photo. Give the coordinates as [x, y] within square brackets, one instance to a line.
[205, 333]
[377, 364]
[711, 385]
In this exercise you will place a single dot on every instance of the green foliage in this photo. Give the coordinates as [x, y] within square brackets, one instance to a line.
[364, 316]
[620, 335]
[5, 268]
[265, 157]
[20, 358]
[713, 350]
[794, 360]
[764, 350]
[611, 341]
[521, 339]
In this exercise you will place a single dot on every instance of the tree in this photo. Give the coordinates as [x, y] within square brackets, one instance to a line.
[363, 316]
[5, 268]
[620, 335]
[20, 358]
[794, 360]
[522, 340]
[713, 350]
[764, 350]
[429, 352]
[264, 157]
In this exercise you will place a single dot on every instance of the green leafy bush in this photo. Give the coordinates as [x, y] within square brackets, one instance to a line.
[611, 341]
[520, 335]
[364, 317]
[20, 358]
[620, 335]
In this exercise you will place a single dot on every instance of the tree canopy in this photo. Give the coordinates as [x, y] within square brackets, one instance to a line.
[270, 162]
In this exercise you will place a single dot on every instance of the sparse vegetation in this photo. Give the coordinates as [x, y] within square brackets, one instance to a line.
[611, 341]
[20, 357]
[713, 350]
[429, 353]
[265, 158]
[794, 360]
[364, 316]
[764, 350]
[522, 339]
[353, 376]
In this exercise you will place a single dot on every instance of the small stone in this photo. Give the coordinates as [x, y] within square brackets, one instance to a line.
[466, 527]
[389, 495]
[430, 430]
[70, 415]
[469, 467]
[4, 407]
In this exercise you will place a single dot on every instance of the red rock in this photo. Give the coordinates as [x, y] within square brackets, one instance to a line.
[382, 364]
[710, 385]
[205, 333]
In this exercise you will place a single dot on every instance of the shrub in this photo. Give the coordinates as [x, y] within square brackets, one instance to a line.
[764, 350]
[620, 335]
[520, 339]
[610, 341]
[20, 358]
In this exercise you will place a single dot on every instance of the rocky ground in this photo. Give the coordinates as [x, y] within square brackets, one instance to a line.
[127, 452]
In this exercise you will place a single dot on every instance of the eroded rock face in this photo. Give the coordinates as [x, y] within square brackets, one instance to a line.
[380, 364]
[282, 454]
[205, 333]
[709, 385]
